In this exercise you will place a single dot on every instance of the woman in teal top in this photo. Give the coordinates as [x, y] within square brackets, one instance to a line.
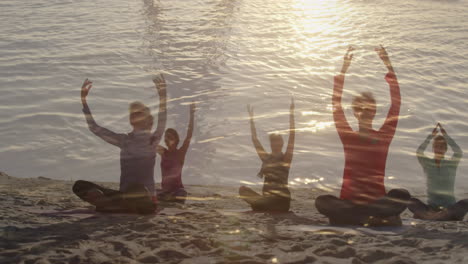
[440, 174]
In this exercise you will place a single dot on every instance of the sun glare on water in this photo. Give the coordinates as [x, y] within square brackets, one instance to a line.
[314, 20]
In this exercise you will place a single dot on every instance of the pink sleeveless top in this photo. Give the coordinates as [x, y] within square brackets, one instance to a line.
[171, 171]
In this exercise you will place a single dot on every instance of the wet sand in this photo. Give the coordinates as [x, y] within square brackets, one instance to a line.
[43, 222]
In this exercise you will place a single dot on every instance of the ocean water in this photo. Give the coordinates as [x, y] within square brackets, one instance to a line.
[223, 55]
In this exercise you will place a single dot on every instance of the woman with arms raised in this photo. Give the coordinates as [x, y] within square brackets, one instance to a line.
[275, 170]
[363, 199]
[172, 162]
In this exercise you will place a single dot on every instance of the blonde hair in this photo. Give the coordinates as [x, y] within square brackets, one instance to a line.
[140, 107]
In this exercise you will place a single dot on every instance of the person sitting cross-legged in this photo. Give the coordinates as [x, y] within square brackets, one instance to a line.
[440, 174]
[363, 199]
[137, 158]
[275, 196]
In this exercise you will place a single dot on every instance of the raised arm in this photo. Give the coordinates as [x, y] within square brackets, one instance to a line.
[188, 138]
[457, 152]
[104, 133]
[161, 86]
[292, 135]
[339, 117]
[420, 151]
[258, 146]
[390, 124]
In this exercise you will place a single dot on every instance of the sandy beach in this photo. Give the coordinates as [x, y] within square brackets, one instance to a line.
[43, 222]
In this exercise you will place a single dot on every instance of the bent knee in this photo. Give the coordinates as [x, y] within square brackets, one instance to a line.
[413, 200]
[401, 194]
[243, 190]
[324, 198]
[182, 193]
[323, 201]
[464, 204]
[80, 186]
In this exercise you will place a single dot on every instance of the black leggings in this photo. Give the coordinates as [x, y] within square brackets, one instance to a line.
[135, 200]
[263, 203]
[455, 212]
[344, 212]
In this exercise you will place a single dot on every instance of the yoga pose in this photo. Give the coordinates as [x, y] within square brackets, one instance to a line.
[274, 171]
[172, 162]
[440, 174]
[137, 158]
[363, 199]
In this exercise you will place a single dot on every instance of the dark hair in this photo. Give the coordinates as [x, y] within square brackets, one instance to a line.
[440, 138]
[276, 136]
[367, 97]
[174, 133]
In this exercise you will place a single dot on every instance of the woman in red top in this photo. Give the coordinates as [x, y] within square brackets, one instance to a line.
[363, 195]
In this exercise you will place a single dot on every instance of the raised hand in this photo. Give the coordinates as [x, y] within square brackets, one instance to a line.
[193, 108]
[442, 130]
[434, 131]
[250, 110]
[347, 59]
[383, 55]
[87, 85]
[160, 83]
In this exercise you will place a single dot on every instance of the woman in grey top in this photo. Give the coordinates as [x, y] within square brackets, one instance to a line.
[275, 170]
[137, 158]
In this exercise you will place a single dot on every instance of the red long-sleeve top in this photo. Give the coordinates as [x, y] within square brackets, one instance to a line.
[365, 158]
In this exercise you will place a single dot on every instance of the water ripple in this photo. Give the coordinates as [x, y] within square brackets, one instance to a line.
[224, 54]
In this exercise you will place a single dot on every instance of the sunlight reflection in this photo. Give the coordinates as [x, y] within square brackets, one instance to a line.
[255, 230]
[210, 140]
[311, 126]
[325, 187]
[312, 24]
[306, 113]
[192, 198]
[315, 125]
[237, 231]
[251, 183]
[298, 181]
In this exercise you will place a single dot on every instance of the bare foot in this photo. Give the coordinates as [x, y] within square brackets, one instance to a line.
[433, 215]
